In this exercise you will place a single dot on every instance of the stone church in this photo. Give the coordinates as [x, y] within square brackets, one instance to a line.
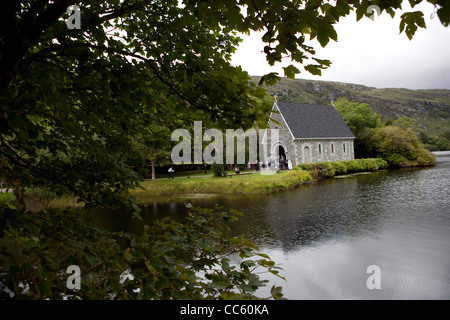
[310, 133]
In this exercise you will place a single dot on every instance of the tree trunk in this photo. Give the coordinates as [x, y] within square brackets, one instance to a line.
[153, 170]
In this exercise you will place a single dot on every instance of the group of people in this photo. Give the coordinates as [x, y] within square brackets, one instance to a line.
[283, 164]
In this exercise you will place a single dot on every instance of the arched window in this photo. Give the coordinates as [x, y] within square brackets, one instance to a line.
[343, 146]
[320, 148]
[306, 155]
[332, 147]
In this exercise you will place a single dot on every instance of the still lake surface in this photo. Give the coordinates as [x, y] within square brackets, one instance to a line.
[326, 235]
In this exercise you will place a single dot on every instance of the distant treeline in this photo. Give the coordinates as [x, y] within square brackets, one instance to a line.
[437, 142]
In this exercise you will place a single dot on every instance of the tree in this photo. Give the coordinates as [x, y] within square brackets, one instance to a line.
[358, 116]
[153, 144]
[443, 144]
[446, 134]
[73, 99]
[423, 137]
[399, 147]
[361, 121]
[403, 122]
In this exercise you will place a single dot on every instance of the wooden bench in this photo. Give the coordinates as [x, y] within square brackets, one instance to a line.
[239, 174]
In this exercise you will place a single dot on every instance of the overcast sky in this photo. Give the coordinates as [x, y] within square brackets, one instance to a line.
[371, 53]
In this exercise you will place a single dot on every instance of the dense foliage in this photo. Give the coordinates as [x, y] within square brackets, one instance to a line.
[192, 259]
[73, 101]
[361, 120]
[436, 142]
[333, 168]
[400, 147]
[396, 143]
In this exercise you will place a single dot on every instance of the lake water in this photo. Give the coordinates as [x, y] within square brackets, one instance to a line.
[326, 235]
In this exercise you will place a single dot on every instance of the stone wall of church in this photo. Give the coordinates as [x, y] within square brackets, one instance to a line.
[319, 150]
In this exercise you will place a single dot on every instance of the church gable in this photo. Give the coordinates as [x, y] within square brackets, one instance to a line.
[279, 122]
[286, 138]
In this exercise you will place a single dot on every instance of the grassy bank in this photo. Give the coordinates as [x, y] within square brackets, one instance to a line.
[4, 197]
[245, 184]
[256, 183]
[48, 199]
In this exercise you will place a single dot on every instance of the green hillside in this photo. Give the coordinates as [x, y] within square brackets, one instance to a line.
[429, 108]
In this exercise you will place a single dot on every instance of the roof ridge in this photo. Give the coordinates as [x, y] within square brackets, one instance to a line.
[306, 120]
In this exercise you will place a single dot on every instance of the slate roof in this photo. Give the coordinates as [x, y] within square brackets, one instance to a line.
[307, 121]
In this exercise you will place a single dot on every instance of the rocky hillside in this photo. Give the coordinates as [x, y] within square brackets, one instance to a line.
[430, 108]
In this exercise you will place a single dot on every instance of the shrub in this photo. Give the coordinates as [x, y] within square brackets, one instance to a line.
[379, 163]
[340, 167]
[218, 169]
[319, 169]
[330, 169]
[353, 166]
[400, 147]
[425, 158]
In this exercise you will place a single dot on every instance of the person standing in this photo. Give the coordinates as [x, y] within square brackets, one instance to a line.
[206, 168]
[289, 164]
[171, 171]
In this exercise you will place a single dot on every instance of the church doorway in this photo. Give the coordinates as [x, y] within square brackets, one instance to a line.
[282, 161]
[281, 151]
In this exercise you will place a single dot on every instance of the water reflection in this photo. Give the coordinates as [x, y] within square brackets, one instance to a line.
[326, 235]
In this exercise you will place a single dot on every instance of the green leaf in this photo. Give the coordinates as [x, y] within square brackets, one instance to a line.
[263, 255]
[313, 69]
[276, 292]
[324, 35]
[444, 15]
[128, 256]
[323, 62]
[410, 21]
[290, 71]
[150, 268]
[269, 79]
